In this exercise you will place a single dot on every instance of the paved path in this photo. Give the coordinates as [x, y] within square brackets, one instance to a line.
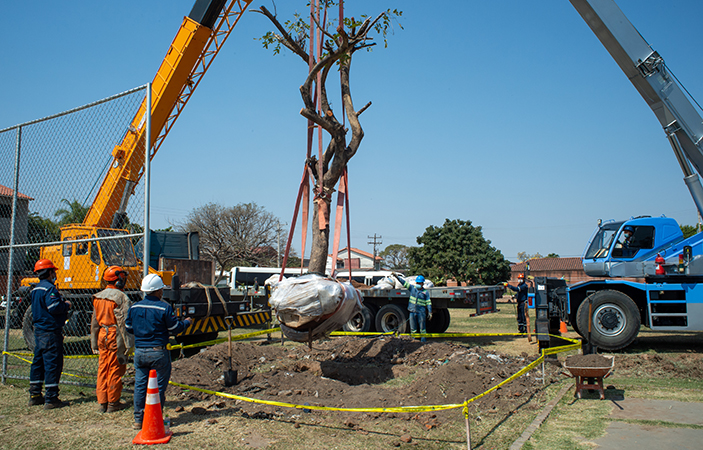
[629, 436]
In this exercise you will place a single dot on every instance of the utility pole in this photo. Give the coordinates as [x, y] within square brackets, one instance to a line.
[278, 242]
[376, 242]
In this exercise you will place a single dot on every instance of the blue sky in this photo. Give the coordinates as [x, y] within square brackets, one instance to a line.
[508, 113]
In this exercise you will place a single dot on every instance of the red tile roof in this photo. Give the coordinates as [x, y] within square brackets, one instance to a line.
[547, 264]
[7, 192]
[360, 252]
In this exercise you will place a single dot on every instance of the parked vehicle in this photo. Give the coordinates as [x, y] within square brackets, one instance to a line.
[608, 312]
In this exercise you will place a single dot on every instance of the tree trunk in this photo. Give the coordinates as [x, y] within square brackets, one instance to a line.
[320, 242]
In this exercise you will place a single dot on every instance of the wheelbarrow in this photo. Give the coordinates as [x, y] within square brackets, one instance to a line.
[590, 377]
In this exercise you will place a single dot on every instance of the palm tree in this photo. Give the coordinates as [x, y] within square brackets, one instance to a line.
[74, 212]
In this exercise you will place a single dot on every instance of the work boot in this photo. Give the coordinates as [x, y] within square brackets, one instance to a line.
[102, 407]
[116, 406]
[137, 426]
[36, 400]
[55, 403]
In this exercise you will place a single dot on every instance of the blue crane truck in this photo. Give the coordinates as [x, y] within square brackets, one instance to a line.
[649, 274]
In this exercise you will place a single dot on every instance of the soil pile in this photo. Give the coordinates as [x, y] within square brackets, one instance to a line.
[591, 361]
[354, 372]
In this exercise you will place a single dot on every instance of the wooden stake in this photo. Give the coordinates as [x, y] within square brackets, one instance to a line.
[468, 425]
[527, 321]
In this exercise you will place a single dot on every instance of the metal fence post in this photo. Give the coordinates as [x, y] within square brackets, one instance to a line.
[147, 182]
[8, 298]
[45, 209]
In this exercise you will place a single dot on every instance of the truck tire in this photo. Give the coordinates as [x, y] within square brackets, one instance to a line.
[28, 329]
[616, 320]
[440, 321]
[392, 318]
[17, 313]
[362, 322]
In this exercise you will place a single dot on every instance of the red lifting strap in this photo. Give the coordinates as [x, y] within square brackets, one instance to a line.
[304, 189]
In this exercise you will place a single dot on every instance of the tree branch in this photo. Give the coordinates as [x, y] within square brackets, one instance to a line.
[286, 38]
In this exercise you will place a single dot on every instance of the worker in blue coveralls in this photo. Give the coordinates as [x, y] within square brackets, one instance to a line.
[521, 298]
[49, 312]
[151, 321]
[419, 305]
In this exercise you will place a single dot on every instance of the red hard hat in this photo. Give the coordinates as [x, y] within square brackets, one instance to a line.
[44, 264]
[112, 273]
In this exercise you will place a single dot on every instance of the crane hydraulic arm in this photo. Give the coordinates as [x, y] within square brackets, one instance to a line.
[197, 42]
[646, 70]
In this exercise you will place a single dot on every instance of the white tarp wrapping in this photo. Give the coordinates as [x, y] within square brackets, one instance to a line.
[313, 301]
[392, 283]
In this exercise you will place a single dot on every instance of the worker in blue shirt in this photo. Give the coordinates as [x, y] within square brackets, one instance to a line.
[151, 321]
[49, 312]
[419, 305]
[521, 298]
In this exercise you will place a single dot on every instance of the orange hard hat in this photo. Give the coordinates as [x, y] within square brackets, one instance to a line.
[112, 273]
[521, 275]
[44, 264]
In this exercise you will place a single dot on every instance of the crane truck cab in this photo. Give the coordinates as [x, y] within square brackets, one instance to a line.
[629, 248]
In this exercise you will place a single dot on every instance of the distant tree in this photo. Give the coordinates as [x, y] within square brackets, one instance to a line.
[241, 235]
[73, 212]
[395, 257]
[688, 230]
[293, 261]
[458, 250]
[39, 230]
[552, 255]
[524, 256]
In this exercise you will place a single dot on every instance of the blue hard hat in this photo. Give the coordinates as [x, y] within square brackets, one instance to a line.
[419, 279]
[628, 228]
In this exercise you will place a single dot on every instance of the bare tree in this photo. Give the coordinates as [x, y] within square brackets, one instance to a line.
[395, 257]
[241, 235]
[338, 49]
[524, 256]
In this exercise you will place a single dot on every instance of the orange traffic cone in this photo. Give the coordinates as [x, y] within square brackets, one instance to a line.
[153, 431]
[562, 327]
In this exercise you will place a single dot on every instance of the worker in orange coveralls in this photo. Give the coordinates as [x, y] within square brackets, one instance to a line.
[109, 338]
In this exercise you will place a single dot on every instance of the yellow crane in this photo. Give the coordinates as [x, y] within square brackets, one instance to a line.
[81, 258]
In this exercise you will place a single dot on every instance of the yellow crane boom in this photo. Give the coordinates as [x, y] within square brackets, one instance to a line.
[197, 42]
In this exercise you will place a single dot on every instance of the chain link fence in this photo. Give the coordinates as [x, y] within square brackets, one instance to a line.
[71, 191]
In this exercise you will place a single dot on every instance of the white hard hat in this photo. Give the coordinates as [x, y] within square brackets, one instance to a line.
[152, 283]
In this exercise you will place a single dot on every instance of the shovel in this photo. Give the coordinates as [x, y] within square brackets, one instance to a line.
[230, 375]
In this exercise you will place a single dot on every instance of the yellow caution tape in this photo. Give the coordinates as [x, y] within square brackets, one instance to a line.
[574, 345]
[398, 409]
[65, 356]
[16, 355]
[405, 409]
[237, 337]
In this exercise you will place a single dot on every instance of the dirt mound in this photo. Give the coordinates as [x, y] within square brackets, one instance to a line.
[354, 372]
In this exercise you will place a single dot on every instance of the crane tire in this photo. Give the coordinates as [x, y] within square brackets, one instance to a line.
[615, 323]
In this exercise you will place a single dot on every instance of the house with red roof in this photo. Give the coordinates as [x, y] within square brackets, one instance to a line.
[20, 235]
[571, 269]
[359, 259]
